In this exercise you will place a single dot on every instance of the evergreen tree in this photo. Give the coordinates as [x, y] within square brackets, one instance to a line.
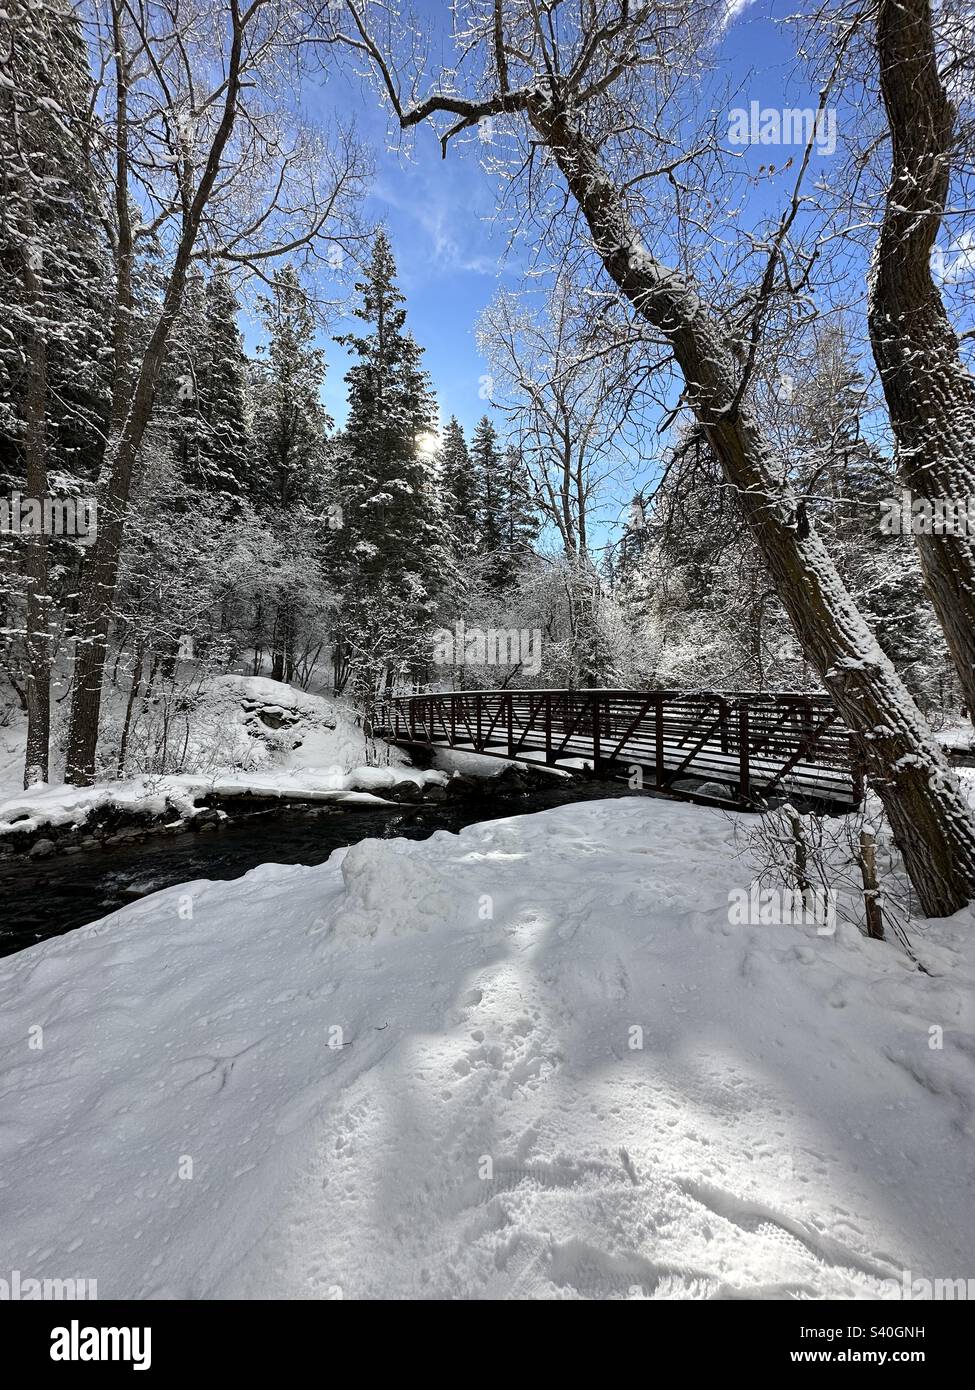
[521, 523]
[392, 555]
[53, 293]
[507, 521]
[288, 482]
[487, 462]
[460, 487]
[624, 570]
[178, 399]
[204, 389]
[223, 388]
[290, 422]
[847, 478]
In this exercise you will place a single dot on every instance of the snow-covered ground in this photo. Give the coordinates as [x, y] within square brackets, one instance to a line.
[532, 1060]
[957, 735]
[176, 795]
[242, 734]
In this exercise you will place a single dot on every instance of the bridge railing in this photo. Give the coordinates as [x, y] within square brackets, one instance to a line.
[755, 742]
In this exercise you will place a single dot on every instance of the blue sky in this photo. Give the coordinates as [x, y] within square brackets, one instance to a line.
[450, 257]
[448, 254]
[437, 210]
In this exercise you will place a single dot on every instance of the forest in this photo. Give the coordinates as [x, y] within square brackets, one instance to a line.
[677, 480]
[710, 431]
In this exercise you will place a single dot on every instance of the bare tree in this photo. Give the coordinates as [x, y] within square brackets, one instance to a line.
[202, 164]
[570, 78]
[568, 387]
[930, 392]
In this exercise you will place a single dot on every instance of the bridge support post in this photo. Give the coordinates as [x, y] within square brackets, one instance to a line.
[511, 726]
[723, 708]
[659, 769]
[744, 776]
[595, 734]
[549, 759]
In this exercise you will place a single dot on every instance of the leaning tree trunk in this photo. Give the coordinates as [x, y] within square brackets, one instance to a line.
[930, 820]
[929, 392]
[38, 690]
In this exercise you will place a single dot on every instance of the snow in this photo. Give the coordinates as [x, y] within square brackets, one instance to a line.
[64, 805]
[412, 1072]
[464, 760]
[318, 755]
[957, 735]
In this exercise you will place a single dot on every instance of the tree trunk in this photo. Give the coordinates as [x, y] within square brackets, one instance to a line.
[871, 888]
[929, 392]
[340, 666]
[930, 820]
[282, 666]
[129, 707]
[278, 657]
[38, 691]
[100, 575]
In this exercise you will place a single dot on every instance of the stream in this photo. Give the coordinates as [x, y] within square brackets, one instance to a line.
[53, 896]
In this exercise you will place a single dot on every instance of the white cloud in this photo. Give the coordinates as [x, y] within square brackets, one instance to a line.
[439, 217]
[733, 8]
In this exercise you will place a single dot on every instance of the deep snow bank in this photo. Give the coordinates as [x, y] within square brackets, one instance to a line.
[532, 1060]
[243, 735]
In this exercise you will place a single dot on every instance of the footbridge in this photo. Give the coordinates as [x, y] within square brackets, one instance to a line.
[726, 746]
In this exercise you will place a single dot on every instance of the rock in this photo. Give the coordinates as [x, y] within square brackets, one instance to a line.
[717, 790]
[462, 785]
[403, 791]
[434, 793]
[42, 849]
[510, 779]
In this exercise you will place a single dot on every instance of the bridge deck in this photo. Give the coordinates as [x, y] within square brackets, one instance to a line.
[752, 744]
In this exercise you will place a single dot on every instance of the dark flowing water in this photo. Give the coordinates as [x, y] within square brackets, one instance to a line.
[55, 895]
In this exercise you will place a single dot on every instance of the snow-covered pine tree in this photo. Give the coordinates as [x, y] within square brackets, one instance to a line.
[204, 391]
[178, 412]
[394, 556]
[53, 277]
[459, 487]
[845, 477]
[222, 384]
[521, 520]
[290, 422]
[627, 569]
[489, 475]
[290, 428]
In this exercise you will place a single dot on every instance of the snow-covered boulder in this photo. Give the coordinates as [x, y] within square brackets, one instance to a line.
[390, 889]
